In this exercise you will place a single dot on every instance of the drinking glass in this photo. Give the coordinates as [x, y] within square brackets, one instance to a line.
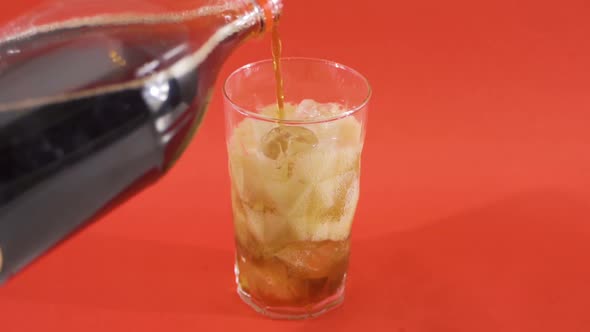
[294, 181]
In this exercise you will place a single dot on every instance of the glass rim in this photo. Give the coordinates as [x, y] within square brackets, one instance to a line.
[267, 118]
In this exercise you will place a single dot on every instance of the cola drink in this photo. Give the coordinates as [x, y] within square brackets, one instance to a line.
[94, 109]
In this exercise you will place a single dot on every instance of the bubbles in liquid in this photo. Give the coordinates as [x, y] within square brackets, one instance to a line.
[287, 140]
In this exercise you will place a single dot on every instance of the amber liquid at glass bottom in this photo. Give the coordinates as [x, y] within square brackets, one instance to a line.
[282, 289]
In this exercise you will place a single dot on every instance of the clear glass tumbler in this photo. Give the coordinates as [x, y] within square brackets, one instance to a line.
[294, 182]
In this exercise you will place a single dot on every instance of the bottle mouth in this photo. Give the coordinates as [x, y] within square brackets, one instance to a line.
[276, 8]
[270, 11]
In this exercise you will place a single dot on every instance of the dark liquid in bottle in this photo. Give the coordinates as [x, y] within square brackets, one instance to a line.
[88, 116]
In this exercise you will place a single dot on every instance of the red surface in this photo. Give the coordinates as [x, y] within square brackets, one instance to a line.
[475, 203]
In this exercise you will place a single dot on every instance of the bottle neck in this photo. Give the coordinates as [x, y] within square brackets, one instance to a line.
[264, 12]
[271, 10]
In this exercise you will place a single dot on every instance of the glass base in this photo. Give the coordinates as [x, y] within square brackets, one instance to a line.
[292, 312]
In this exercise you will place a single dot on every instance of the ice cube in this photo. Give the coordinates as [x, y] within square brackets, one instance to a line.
[334, 231]
[239, 218]
[324, 201]
[276, 229]
[267, 226]
[332, 194]
[339, 229]
[326, 162]
[285, 193]
[253, 171]
[273, 110]
[287, 140]
[313, 260]
[305, 205]
[307, 109]
[236, 171]
[326, 211]
[270, 282]
[346, 132]
[311, 109]
[246, 135]
[349, 132]
[255, 223]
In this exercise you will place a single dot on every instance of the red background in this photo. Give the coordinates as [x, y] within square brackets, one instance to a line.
[475, 203]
